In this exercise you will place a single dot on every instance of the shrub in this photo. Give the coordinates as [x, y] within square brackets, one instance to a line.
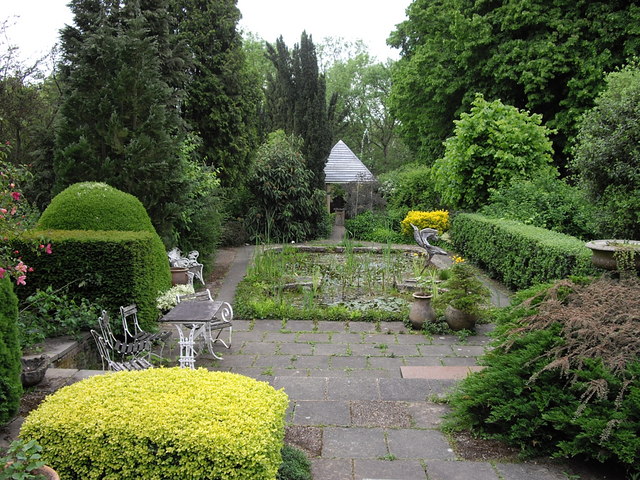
[137, 268]
[49, 314]
[546, 202]
[285, 205]
[607, 153]
[109, 268]
[295, 465]
[410, 187]
[520, 255]
[10, 386]
[95, 206]
[562, 378]
[162, 423]
[492, 145]
[438, 220]
[372, 227]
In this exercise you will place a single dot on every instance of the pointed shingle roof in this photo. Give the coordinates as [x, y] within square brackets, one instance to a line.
[344, 167]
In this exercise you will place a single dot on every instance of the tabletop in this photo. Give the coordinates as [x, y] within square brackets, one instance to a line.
[192, 312]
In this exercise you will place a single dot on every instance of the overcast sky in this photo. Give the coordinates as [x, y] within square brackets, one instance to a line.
[36, 23]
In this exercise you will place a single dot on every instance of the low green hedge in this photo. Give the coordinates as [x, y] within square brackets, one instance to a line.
[10, 386]
[162, 424]
[112, 268]
[519, 255]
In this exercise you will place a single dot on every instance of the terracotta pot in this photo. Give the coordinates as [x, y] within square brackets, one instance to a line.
[459, 320]
[603, 252]
[421, 310]
[48, 473]
[179, 276]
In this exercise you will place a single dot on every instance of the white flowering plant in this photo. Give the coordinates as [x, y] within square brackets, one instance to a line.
[167, 300]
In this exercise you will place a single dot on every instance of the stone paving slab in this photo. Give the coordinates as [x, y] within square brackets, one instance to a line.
[322, 413]
[413, 443]
[439, 373]
[527, 471]
[352, 389]
[447, 470]
[332, 468]
[389, 469]
[353, 442]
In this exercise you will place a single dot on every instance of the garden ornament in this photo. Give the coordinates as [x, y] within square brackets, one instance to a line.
[422, 238]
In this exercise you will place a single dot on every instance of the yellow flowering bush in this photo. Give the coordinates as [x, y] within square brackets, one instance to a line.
[437, 219]
[165, 423]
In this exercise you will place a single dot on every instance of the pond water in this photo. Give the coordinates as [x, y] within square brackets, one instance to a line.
[357, 280]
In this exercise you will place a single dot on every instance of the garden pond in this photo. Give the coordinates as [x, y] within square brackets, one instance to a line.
[339, 283]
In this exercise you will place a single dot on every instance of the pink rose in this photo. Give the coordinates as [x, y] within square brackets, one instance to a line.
[2, 271]
[16, 196]
[47, 249]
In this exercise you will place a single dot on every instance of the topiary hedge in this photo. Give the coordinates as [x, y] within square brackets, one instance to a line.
[162, 424]
[95, 206]
[519, 255]
[10, 386]
[109, 267]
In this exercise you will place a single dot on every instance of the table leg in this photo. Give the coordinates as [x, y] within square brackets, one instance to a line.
[187, 350]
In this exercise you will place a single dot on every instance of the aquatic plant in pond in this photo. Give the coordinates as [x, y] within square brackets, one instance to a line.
[328, 285]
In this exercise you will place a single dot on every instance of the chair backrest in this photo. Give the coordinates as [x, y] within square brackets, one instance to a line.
[103, 349]
[105, 328]
[130, 323]
[203, 296]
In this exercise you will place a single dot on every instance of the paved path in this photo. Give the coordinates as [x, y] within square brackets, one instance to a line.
[350, 407]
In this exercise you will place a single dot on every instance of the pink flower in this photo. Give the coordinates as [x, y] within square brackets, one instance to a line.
[31, 269]
[47, 249]
[2, 271]
[14, 210]
[21, 267]
[21, 280]
[3, 210]
[16, 196]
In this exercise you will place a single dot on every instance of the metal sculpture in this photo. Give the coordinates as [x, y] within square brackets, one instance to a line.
[422, 238]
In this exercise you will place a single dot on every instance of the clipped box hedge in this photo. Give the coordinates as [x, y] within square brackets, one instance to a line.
[519, 255]
[112, 268]
[162, 424]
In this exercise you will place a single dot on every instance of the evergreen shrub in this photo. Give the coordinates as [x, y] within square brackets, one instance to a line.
[162, 423]
[409, 187]
[372, 227]
[110, 268]
[133, 271]
[519, 255]
[10, 385]
[562, 376]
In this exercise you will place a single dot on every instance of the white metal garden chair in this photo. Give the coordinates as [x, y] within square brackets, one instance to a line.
[105, 351]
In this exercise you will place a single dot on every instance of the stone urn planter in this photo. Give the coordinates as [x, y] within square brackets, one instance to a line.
[34, 369]
[459, 320]
[179, 275]
[421, 310]
[604, 252]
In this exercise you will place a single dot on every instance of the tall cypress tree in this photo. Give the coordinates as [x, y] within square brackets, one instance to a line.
[297, 101]
[222, 99]
[122, 71]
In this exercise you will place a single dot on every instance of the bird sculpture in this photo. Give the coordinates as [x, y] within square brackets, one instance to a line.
[422, 238]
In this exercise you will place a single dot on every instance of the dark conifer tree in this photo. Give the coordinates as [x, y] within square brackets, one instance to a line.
[297, 102]
[122, 70]
[222, 100]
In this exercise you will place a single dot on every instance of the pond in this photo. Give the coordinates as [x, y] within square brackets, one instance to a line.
[353, 282]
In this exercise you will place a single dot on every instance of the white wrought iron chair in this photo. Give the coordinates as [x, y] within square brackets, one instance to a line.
[105, 350]
[190, 262]
[133, 332]
[126, 349]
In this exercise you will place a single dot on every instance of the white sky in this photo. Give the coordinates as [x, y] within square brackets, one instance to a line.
[36, 28]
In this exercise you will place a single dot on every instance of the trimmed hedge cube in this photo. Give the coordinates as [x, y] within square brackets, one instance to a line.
[162, 424]
[520, 255]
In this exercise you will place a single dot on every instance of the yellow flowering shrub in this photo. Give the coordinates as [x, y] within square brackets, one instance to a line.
[437, 219]
[163, 423]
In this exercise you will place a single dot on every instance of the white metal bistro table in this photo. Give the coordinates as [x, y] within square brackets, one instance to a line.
[200, 319]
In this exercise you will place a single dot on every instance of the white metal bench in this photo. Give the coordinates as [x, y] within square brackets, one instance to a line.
[190, 262]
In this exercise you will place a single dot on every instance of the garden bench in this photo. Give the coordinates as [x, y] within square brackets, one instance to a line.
[189, 262]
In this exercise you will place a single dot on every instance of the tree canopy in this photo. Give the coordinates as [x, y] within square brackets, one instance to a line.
[546, 58]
